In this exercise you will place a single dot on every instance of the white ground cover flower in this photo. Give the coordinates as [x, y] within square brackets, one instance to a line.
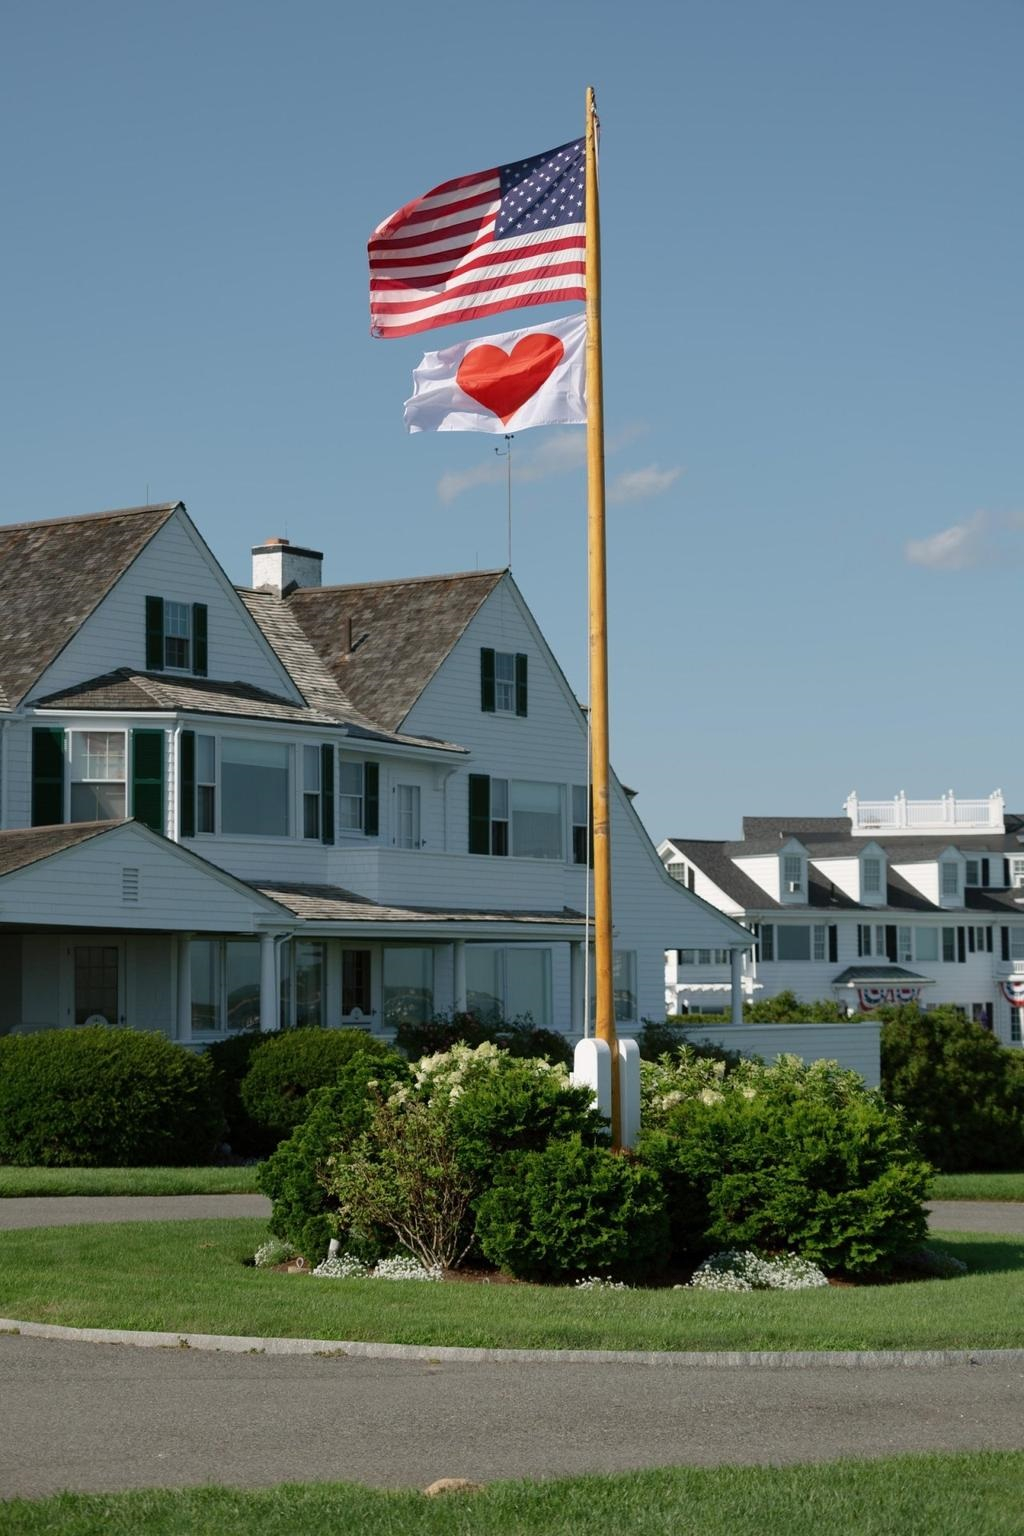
[403, 1266]
[272, 1252]
[597, 1283]
[735, 1269]
[342, 1266]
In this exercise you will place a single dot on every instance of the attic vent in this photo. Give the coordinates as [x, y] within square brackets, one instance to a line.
[129, 885]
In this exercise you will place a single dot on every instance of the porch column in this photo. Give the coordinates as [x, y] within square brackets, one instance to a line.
[459, 998]
[184, 988]
[736, 977]
[268, 982]
[577, 978]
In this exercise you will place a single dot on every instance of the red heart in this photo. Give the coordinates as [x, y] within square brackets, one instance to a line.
[503, 381]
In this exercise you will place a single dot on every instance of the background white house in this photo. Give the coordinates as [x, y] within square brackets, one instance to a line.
[227, 808]
[897, 900]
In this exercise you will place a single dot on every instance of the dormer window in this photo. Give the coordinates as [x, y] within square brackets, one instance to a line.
[950, 878]
[792, 873]
[176, 636]
[503, 682]
[872, 877]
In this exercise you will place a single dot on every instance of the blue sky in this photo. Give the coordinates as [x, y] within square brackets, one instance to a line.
[813, 241]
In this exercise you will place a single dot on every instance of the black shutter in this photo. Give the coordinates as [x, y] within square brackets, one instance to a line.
[988, 939]
[1004, 942]
[479, 813]
[520, 684]
[833, 943]
[860, 941]
[147, 803]
[327, 792]
[154, 634]
[487, 679]
[1006, 871]
[970, 938]
[984, 871]
[371, 799]
[892, 952]
[200, 650]
[187, 785]
[47, 775]
[961, 948]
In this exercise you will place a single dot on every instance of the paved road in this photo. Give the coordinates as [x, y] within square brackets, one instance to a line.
[71, 1210]
[102, 1417]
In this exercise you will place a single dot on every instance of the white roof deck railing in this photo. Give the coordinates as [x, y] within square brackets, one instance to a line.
[947, 814]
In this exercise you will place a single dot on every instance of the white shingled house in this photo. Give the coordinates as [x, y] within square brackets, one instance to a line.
[227, 808]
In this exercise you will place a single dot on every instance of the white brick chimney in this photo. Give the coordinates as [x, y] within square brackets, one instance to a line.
[280, 567]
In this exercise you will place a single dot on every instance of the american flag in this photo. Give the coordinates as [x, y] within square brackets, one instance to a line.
[490, 241]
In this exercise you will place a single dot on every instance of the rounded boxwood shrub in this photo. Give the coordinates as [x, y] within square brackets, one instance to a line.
[572, 1211]
[964, 1089]
[286, 1067]
[105, 1098]
[786, 1156]
[230, 1059]
[304, 1211]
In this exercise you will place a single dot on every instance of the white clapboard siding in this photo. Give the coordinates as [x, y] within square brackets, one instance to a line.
[174, 565]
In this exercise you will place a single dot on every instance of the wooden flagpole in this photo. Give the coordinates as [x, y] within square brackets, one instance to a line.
[604, 1024]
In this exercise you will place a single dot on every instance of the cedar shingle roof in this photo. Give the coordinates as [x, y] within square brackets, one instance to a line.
[53, 574]
[401, 633]
[307, 670]
[27, 845]
[128, 690]
[326, 903]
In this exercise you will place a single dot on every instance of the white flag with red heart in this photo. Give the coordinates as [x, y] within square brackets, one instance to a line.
[528, 378]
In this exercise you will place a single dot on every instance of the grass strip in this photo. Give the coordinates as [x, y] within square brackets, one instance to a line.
[978, 1186]
[24, 1182]
[957, 1495]
[189, 1276]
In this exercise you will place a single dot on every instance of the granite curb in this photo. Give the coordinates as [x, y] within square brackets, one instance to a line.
[241, 1344]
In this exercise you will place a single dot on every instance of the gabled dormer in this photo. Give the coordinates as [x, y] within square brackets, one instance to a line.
[781, 874]
[872, 876]
[939, 877]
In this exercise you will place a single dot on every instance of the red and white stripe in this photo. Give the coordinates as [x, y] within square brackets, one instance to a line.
[436, 262]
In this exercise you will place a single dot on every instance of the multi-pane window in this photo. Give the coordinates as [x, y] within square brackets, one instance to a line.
[177, 636]
[971, 872]
[1016, 871]
[310, 791]
[948, 944]
[351, 787]
[872, 868]
[408, 985]
[581, 835]
[505, 682]
[1017, 943]
[97, 775]
[792, 871]
[950, 878]
[515, 816]
[206, 783]
[254, 787]
[766, 941]
[513, 983]
[407, 815]
[499, 816]
[818, 941]
[904, 944]
[703, 956]
[1015, 1025]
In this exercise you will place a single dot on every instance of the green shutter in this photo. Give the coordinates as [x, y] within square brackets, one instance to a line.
[147, 803]
[371, 799]
[154, 634]
[520, 684]
[487, 680]
[187, 785]
[479, 813]
[199, 646]
[47, 775]
[327, 792]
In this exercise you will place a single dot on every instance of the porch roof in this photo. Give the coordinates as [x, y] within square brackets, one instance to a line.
[332, 904]
[880, 975]
[27, 845]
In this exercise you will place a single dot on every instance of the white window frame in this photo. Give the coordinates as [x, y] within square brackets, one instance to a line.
[104, 778]
[207, 784]
[505, 686]
[351, 797]
[289, 746]
[950, 878]
[408, 816]
[871, 867]
[312, 791]
[177, 628]
[792, 872]
[1016, 871]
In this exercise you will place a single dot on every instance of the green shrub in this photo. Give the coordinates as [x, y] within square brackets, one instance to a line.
[305, 1212]
[495, 1103]
[519, 1037]
[404, 1176]
[230, 1059]
[965, 1090]
[102, 1097]
[572, 1211]
[287, 1066]
[665, 1037]
[786, 1156]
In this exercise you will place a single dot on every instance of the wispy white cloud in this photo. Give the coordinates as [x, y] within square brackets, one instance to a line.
[975, 541]
[638, 484]
[455, 482]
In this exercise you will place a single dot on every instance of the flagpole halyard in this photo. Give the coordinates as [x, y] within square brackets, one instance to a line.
[604, 1023]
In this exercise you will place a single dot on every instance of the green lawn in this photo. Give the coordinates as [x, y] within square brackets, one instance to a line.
[189, 1277]
[978, 1186]
[965, 1495]
[126, 1181]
